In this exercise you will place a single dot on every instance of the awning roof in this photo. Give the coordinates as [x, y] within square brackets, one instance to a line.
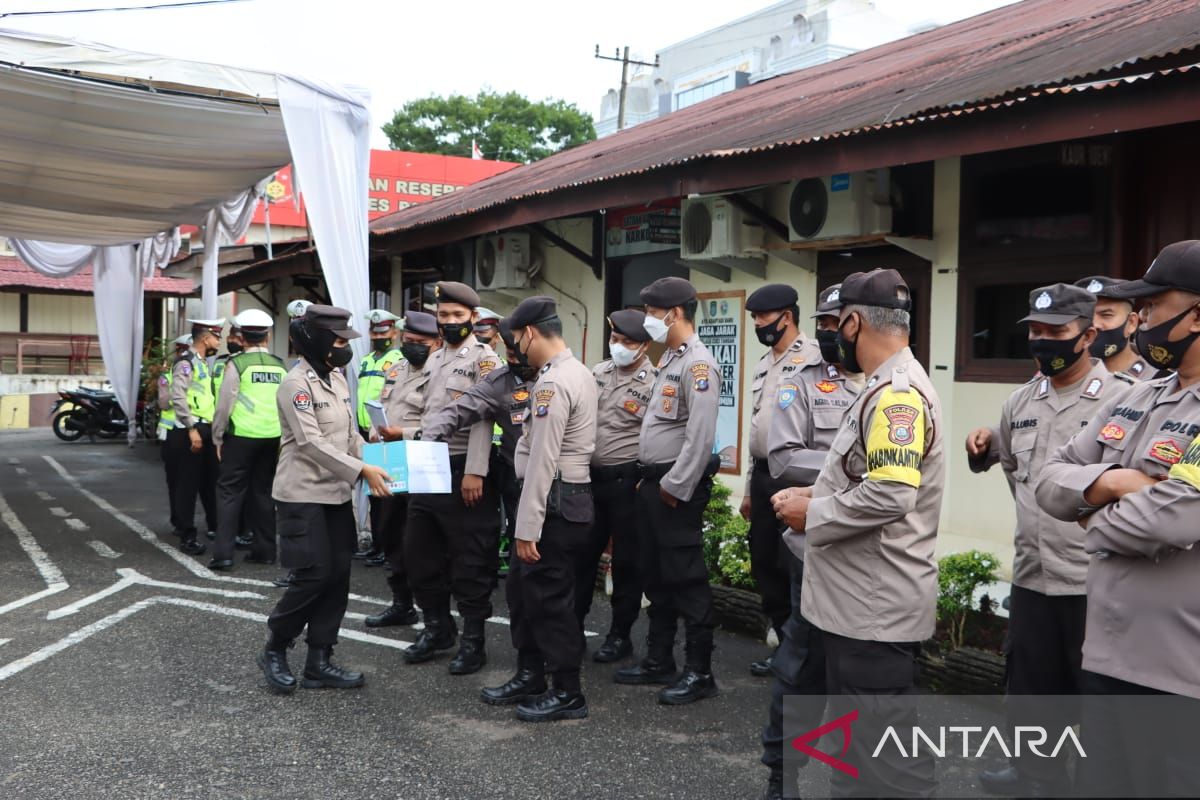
[1035, 43]
[92, 162]
[16, 275]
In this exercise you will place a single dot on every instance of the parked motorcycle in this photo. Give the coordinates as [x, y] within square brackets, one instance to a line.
[88, 411]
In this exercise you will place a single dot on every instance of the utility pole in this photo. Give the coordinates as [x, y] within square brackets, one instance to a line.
[625, 62]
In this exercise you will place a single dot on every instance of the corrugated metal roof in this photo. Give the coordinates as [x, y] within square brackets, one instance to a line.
[1031, 44]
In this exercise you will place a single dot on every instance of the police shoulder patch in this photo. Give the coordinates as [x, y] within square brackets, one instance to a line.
[787, 395]
[486, 365]
[896, 438]
[302, 400]
[541, 401]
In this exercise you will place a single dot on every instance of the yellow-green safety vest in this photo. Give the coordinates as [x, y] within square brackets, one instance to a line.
[372, 374]
[255, 414]
[199, 394]
[218, 373]
[166, 416]
[497, 434]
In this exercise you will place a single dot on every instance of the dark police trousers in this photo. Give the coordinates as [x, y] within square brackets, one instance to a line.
[799, 669]
[316, 542]
[169, 467]
[393, 519]
[1044, 655]
[769, 556]
[877, 680]
[510, 493]
[195, 475]
[615, 501]
[450, 548]
[247, 471]
[541, 598]
[675, 575]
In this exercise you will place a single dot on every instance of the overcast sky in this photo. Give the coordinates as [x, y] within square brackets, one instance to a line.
[404, 50]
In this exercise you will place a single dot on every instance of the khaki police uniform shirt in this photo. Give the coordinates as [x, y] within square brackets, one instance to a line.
[1140, 370]
[452, 371]
[771, 370]
[681, 424]
[558, 439]
[502, 397]
[1143, 583]
[868, 546]
[320, 447]
[1035, 422]
[231, 384]
[403, 396]
[809, 404]
[623, 397]
[181, 381]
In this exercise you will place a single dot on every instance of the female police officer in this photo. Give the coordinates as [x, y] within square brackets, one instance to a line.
[318, 465]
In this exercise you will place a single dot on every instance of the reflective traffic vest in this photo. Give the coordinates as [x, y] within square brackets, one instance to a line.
[166, 412]
[218, 373]
[255, 415]
[372, 374]
[200, 391]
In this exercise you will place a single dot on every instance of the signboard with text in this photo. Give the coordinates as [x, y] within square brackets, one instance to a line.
[720, 323]
[648, 228]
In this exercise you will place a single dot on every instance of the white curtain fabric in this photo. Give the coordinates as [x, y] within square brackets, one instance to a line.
[328, 132]
[120, 321]
[224, 224]
[54, 258]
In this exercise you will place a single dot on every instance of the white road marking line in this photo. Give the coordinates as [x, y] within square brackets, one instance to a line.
[22, 471]
[88, 631]
[131, 577]
[103, 550]
[51, 574]
[45, 496]
[4, 642]
[14, 461]
[77, 525]
[58, 511]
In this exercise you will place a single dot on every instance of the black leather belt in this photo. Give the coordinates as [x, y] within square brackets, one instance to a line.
[615, 472]
[654, 472]
[458, 463]
[762, 467]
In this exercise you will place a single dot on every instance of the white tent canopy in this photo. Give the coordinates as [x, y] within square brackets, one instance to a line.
[104, 153]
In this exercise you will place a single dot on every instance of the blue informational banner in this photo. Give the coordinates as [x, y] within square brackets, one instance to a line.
[414, 467]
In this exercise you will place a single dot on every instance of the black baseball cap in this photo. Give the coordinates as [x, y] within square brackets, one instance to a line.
[829, 302]
[1177, 267]
[883, 288]
[1059, 304]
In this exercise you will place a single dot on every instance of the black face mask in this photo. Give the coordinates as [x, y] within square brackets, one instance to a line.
[526, 372]
[339, 356]
[1055, 355]
[1156, 348]
[381, 345]
[772, 332]
[828, 340]
[847, 354]
[415, 354]
[455, 332]
[1109, 343]
[234, 348]
[209, 352]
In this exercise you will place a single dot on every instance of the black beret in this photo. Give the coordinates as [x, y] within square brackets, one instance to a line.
[628, 323]
[883, 288]
[330, 318]
[772, 297]
[421, 322]
[510, 344]
[668, 293]
[829, 301]
[533, 310]
[455, 292]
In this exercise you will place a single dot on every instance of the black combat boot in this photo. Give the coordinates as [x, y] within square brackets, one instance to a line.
[565, 701]
[691, 686]
[394, 615]
[615, 648]
[273, 662]
[321, 673]
[191, 546]
[523, 686]
[471, 654]
[439, 635]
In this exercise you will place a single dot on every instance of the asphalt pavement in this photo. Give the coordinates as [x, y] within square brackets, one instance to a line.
[127, 671]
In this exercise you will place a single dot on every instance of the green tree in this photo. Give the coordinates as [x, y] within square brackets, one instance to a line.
[508, 126]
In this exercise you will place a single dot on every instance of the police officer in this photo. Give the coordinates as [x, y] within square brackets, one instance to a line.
[487, 326]
[234, 344]
[191, 441]
[372, 373]
[810, 404]
[319, 462]
[403, 400]
[676, 465]
[624, 384]
[553, 520]
[866, 532]
[246, 434]
[456, 533]
[502, 398]
[1132, 480]
[166, 422]
[1048, 603]
[1115, 322]
[773, 310]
